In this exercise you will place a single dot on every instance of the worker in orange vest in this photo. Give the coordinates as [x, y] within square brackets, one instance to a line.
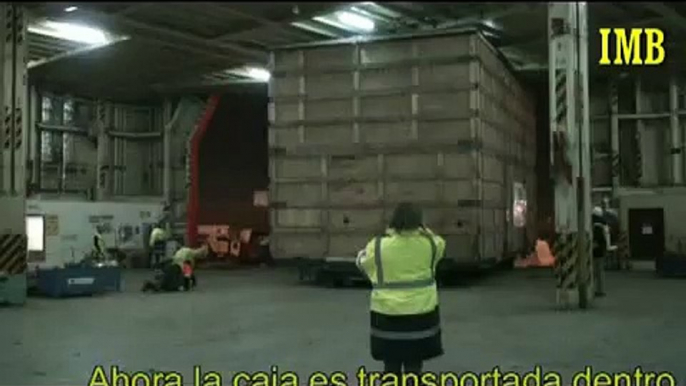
[177, 274]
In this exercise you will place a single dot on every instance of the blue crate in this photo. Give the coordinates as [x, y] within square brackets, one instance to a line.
[75, 281]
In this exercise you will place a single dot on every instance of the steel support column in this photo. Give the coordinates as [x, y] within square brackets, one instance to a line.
[13, 142]
[617, 164]
[570, 125]
[105, 159]
[676, 151]
[641, 167]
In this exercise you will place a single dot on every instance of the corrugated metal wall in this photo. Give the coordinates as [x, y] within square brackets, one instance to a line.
[233, 163]
[68, 152]
[68, 161]
[138, 168]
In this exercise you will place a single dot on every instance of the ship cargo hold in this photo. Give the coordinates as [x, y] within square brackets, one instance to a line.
[358, 126]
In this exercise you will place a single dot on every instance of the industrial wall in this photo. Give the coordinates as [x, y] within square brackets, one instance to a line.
[638, 123]
[671, 200]
[70, 225]
[68, 148]
[360, 126]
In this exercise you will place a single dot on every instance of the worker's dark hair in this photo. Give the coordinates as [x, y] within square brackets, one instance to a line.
[406, 216]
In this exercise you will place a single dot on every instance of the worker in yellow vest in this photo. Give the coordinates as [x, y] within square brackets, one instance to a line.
[158, 239]
[401, 265]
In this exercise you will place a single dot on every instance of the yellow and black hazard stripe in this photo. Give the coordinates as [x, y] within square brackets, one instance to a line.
[560, 96]
[588, 250]
[13, 253]
[565, 252]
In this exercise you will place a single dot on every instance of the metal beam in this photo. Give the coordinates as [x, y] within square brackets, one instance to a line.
[76, 52]
[331, 7]
[571, 155]
[668, 14]
[286, 28]
[134, 8]
[173, 38]
[395, 8]
[243, 86]
[676, 150]
[232, 35]
[508, 11]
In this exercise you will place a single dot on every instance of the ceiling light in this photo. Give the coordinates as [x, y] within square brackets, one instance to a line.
[259, 74]
[71, 9]
[490, 23]
[356, 21]
[71, 32]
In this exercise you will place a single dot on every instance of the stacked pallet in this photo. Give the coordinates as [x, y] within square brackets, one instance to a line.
[357, 127]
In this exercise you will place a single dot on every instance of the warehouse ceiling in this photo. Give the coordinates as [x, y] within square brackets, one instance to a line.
[141, 50]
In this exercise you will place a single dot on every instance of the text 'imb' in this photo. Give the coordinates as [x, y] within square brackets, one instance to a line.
[628, 50]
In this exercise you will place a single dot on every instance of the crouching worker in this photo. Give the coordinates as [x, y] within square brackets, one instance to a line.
[401, 265]
[177, 274]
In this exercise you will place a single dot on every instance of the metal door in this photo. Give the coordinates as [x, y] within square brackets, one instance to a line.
[646, 233]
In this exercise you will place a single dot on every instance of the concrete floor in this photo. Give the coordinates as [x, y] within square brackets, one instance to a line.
[249, 320]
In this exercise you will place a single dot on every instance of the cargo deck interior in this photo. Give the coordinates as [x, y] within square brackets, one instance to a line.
[305, 124]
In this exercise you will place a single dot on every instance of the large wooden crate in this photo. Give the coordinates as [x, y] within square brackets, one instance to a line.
[358, 127]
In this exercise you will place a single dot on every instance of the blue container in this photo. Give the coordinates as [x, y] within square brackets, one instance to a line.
[671, 265]
[75, 281]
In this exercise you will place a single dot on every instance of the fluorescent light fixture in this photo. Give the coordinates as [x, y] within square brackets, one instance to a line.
[490, 23]
[259, 74]
[71, 9]
[356, 21]
[72, 32]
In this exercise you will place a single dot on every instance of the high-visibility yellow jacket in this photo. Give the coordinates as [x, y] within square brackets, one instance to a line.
[157, 234]
[402, 270]
[186, 254]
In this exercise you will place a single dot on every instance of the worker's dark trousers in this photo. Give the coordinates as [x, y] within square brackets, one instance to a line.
[398, 368]
[190, 282]
[157, 253]
[599, 275]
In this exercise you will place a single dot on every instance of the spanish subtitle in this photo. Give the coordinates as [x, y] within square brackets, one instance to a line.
[113, 376]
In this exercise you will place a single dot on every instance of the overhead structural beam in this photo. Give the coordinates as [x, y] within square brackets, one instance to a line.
[285, 28]
[508, 11]
[331, 7]
[319, 30]
[670, 14]
[76, 52]
[173, 38]
[396, 8]
[134, 8]
[285, 23]
[242, 86]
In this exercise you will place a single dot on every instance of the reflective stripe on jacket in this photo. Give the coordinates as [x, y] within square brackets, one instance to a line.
[401, 268]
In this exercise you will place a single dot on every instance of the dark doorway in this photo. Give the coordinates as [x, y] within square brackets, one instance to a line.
[646, 233]
[234, 163]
